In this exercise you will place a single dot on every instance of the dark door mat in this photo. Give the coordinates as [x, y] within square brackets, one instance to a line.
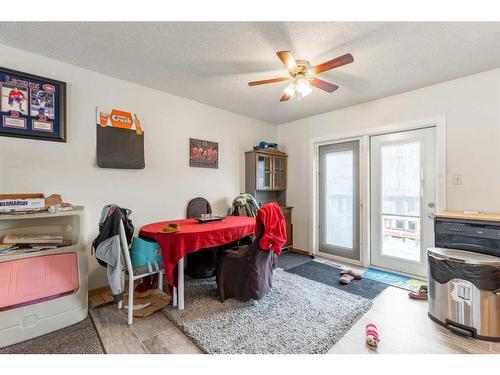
[329, 275]
[80, 338]
[290, 260]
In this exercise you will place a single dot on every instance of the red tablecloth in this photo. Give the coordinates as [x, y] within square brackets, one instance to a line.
[194, 236]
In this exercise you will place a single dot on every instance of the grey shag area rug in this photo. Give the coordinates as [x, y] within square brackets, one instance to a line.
[80, 338]
[298, 316]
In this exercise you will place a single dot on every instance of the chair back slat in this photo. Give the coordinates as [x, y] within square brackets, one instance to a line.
[198, 206]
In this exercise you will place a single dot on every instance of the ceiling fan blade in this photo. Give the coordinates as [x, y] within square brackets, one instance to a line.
[265, 81]
[331, 64]
[285, 97]
[323, 85]
[287, 59]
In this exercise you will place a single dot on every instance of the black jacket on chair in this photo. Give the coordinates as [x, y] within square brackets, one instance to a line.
[245, 272]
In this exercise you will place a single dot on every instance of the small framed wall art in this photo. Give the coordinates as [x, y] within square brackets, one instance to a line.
[203, 154]
[32, 106]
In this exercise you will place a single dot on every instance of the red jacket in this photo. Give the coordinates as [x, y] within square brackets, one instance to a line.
[274, 236]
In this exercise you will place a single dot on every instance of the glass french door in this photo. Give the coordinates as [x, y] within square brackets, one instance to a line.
[339, 199]
[403, 195]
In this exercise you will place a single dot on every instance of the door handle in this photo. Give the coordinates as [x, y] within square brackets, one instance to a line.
[431, 204]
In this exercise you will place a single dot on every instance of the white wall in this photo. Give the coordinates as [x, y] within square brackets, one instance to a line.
[158, 192]
[472, 109]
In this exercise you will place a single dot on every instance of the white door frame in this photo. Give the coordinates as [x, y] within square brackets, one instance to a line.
[358, 179]
[363, 135]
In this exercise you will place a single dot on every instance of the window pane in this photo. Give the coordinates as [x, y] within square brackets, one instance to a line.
[401, 200]
[339, 198]
[263, 174]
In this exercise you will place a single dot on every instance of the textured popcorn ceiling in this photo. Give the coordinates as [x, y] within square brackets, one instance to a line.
[212, 62]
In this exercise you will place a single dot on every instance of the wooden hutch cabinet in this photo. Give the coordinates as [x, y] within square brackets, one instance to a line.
[266, 180]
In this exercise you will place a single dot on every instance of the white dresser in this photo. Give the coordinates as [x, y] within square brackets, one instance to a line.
[43, 291]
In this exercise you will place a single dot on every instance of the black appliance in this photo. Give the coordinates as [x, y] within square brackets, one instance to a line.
[476, 236]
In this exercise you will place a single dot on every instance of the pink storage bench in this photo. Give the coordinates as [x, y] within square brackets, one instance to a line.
[32, 280]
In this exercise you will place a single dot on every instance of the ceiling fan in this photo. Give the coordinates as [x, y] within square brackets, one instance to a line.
[303, 75]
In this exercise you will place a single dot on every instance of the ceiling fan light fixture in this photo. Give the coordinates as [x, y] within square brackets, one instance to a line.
[304, 76]
[290, 89]
[303, 87]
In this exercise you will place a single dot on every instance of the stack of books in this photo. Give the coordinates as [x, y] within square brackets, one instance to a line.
[7, 248]
[35, 242]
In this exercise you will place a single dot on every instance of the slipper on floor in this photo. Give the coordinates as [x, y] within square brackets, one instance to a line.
[372, 338]
[422, 293]
[346, 279]
[355, 275]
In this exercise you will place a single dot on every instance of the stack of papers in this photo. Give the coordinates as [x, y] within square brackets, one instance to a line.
[33, 242]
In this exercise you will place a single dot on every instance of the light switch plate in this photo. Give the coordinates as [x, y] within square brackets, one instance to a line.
[457, 179]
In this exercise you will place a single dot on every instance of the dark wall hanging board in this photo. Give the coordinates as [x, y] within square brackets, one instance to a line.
[120, 139]
[119, 148]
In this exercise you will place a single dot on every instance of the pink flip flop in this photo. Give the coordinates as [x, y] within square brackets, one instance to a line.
[372, 338]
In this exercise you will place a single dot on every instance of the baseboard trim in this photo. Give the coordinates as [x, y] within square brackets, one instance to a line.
[300, 251]
[336, 258]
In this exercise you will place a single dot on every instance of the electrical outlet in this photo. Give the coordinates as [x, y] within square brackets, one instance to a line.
[457, 179]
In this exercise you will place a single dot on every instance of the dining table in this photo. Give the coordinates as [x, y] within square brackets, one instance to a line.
[192, 236]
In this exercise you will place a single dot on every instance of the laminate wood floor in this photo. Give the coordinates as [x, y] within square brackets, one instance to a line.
[402, 323]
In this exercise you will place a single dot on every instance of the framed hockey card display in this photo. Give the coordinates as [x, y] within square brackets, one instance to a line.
[32, 106]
